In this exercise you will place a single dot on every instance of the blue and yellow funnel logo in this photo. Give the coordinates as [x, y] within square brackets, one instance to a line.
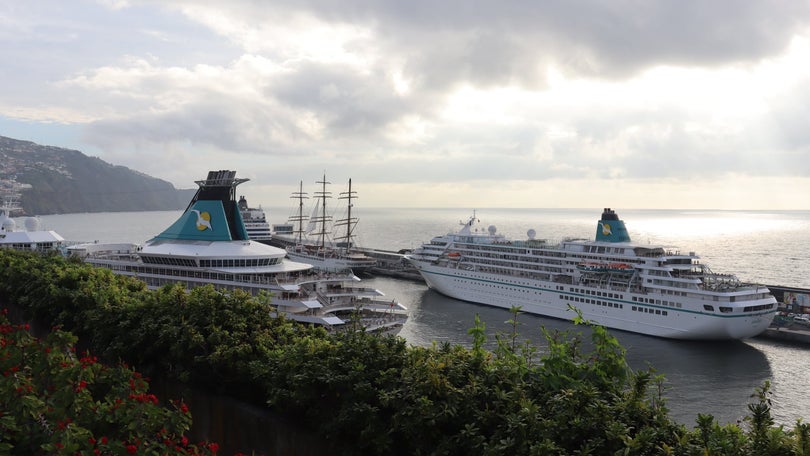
[203, 220]
[611, 229]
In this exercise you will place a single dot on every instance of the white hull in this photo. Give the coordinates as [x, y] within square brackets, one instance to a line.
[336, 262]
[546, 299]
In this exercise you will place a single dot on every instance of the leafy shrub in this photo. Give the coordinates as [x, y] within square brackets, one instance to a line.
[377, 395]
[54, 401]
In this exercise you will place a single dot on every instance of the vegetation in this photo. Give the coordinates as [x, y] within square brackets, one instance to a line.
[55, 401]
[377, 395]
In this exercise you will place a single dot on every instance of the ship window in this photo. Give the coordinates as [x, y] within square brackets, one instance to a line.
[708, 307]
[725, 309]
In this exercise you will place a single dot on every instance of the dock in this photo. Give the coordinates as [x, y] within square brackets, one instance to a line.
[392, 264]
[791, 333]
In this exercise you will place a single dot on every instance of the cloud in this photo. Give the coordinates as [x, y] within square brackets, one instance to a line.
[422, 92]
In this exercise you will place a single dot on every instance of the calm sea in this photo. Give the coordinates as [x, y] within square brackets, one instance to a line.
[768, 247]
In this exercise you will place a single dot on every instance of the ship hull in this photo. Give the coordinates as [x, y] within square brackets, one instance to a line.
[553, 299]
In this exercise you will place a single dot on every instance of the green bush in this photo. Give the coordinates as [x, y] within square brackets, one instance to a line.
[54, 401]
[376, 395]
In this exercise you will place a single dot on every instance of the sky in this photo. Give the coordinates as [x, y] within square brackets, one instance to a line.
[675, 104]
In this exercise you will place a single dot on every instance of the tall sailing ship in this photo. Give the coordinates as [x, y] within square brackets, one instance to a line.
[612, 281]
[209, 244]
[317, 244]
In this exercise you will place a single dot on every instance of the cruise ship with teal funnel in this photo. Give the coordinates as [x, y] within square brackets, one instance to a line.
[612, 281]
[208, 244]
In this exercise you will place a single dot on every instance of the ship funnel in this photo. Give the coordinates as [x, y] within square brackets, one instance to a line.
[610, 228]
[213, 213]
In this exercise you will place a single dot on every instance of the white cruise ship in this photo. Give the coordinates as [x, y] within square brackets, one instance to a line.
[209, 244]
[614, 282]
[255, 222]
[29, 236]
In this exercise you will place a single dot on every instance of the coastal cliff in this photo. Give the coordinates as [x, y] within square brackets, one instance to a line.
[62, 180]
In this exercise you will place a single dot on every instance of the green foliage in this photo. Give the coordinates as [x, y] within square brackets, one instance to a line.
[376, 395]
[53, 401]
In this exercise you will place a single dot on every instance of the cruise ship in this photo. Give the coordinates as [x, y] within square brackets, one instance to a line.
[208, 244]
[613, 282]
[255, 222]
[29, 236]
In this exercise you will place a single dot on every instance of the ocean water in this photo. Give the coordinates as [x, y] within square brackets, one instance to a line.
[768, 247]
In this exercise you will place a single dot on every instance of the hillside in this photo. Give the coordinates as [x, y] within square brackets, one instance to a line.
[68, 181]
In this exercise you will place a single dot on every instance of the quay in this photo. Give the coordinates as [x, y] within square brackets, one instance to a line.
[783, 328]
[791, 333]
[392, 264]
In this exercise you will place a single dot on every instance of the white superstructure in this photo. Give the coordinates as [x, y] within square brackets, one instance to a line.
[618, 284]
[29, 236]
[208, 244]
[255, 222]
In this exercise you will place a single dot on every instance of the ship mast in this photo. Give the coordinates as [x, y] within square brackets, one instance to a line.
[348, 221]
[300, 195]
[10, 198]
[9, 203]
[323, 218]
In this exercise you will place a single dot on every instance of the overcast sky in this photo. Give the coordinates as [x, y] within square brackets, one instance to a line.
[428, 103]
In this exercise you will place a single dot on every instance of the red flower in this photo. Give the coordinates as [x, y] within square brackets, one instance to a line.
[213, 447]
[183, 407]
[88, 360]
[132, 449]
[82, 385]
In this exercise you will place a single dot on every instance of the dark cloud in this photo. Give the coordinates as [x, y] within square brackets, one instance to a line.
[501, 42]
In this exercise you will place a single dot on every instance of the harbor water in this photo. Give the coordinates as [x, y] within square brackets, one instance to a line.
[718, 378]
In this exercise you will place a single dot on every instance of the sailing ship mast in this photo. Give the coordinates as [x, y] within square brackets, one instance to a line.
[300, 195]
[323, 218]
[10, 200]
[348, 221]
